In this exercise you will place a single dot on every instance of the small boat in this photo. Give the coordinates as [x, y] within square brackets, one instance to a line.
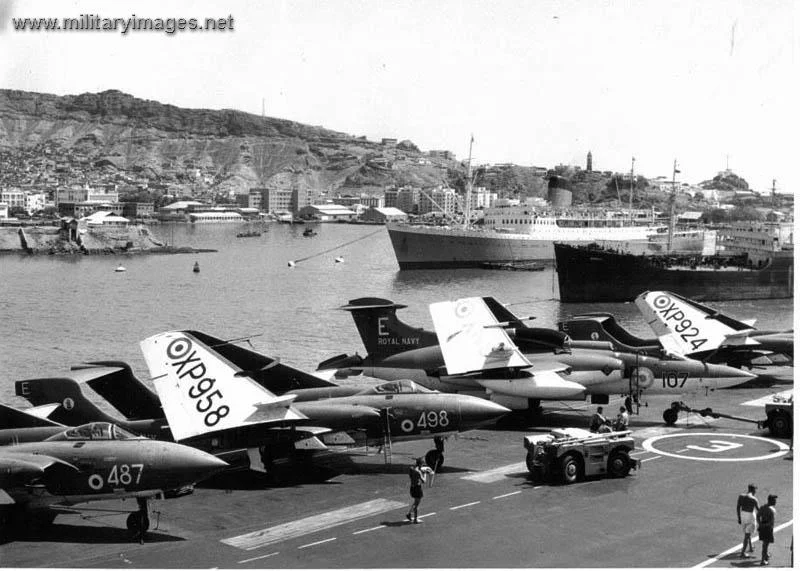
[251, 234]
[338, 260]
[196, 268]
[514, 266]
[120, 268]
[309, 232]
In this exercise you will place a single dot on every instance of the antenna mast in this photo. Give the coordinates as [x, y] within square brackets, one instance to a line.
[630, 197]
[468, 198]
[672, 207]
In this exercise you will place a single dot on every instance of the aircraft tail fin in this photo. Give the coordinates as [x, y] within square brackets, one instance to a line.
[382, 333]
[75, 407]
[203, 392]
[14, 418]
[116, 383]
[685, 327]
[470, 338]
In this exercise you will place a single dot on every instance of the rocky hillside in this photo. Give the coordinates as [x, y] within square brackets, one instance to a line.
[217, 151]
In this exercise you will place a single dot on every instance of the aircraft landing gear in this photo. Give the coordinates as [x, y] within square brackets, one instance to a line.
[138, 522]
[671, 414]
[435, 458]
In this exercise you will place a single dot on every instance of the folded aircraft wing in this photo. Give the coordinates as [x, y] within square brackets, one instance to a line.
[200, 390]
[470, 338]
[685, 327]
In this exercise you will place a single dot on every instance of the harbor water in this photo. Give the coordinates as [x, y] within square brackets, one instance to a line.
[59, 311]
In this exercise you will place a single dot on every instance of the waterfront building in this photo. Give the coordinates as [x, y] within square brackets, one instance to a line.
[13, 198]
[327, 212]
[408, 199]
[390, 197]
[438, 200]
[3, 211]
[178, 210]
[137, 209]
[385, 214]
[106, 219]
[214, 216]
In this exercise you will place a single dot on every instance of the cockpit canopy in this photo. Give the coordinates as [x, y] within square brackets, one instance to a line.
[95, 431]
[404, 386]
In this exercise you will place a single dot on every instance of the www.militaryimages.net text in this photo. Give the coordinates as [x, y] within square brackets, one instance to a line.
[133, 23]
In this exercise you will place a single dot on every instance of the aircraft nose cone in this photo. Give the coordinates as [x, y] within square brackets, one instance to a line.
[199, 464]
[476, 411]
[726, 376]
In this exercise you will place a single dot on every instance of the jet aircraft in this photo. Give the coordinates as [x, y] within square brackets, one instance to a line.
[96, 461]
[376, 415]
[395, 348]
[695, 330]
[474, 342]
[273, 428]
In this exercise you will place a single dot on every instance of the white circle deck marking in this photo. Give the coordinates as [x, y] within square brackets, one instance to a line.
[782, 448]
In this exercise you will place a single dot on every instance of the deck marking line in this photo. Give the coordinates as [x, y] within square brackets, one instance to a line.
[737, 547]
[369, 529]
[259, 557]
[464, 505]
[496, 474]
[637, 452]
[651, 458]
[316, 543]
[782, 447]
[311, 524]
[682, 450]
[426, 515]
[693, 420]
[506, 495]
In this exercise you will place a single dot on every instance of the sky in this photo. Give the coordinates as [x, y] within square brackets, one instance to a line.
[711, 84]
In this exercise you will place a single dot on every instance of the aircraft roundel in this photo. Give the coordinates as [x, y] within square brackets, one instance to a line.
[178, 348]
[463, 309]
[661, 302]
[407, 425]
[68, 403]
[642, 378]
[595, 336]
[95, 481]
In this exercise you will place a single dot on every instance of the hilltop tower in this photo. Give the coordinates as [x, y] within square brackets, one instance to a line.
[589, 161]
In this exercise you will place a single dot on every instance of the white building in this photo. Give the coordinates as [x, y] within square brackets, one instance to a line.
[327, 212]
[438, 200]
[13, 198]
[105, 218]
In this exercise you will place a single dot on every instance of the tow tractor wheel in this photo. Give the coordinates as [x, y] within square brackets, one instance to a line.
[619, 464]
[670, 416]
[529, 462]
[570, 469]
[138, 522]
[434, 459]
[780, 425]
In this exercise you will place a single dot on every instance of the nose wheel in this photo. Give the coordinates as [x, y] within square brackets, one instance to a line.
[435, 458]
[138, 522]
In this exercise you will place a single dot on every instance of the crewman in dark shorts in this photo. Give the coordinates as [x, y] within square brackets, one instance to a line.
[746, 509]
[766, 525]
[417, 473]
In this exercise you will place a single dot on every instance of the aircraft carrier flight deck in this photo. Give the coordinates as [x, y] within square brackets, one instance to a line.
[482, 509]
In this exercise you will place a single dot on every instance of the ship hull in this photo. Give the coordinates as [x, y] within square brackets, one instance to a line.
[430, 247]
[587, 275]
